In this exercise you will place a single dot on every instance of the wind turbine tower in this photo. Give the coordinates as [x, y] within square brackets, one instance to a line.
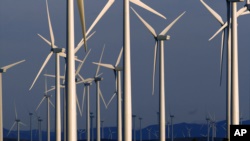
[134, 117]
[30, 114]
[172, 126]
[208, 127]
[91, 121]
[140, 129]
[3, 70]
[40, 129]
[235, 72]
[159, 39]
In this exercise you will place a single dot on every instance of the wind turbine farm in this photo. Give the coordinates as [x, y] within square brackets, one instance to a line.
[192, 69]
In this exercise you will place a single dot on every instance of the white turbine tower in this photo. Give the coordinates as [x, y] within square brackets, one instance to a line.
[117, 71]
[127, 65]
[71, 126]
[18, 123]
[46, 96]
[160, 38]
[3, 70]
[87, 82]
[225, 26]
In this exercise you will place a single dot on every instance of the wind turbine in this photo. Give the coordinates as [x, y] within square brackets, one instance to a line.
[39, 128]
[18, 123]
[81, 131]
[111, 134]
[189, 131]
[134, 117]
[149, 133]
[127, 66]
[117, 71]
[87, 83]
[91, 126]
[160, 38]
[46, 96]
[225, 25]
[172, 126]
[71, 124]
[30, 114]
[208, 127]
[58, 52]
[140, 129]
[3, 70]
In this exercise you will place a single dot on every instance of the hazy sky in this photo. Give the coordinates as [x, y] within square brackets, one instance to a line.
[191, 61]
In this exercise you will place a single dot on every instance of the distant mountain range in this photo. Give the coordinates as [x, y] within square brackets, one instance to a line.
[198, 131]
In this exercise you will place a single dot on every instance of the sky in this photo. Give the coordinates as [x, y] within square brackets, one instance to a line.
[192, 62]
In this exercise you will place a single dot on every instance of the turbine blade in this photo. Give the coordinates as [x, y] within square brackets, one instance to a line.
[78, 105]
[100, 60]
[103, 100]
[245, 13]
[99, 74]
[11, 65]
[81, 64]
[105, 65]
[81, 77]
[217, 32]
[83, 97]
[143, 5]
[82, 42]
[149, 27]
[111, 99]
[53, 88]
[154, 67]
[81, 9]
[104, 10]
[170, 25]
[11, 128]
[51, 104]
[241, 11]
[40, 103]
[119, 58]
[221, 55]
[215, 14]
[48, 42]
[50, 27]
[22, 123]
[45, 62]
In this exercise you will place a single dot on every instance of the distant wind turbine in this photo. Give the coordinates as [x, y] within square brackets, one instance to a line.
[226, 26]
[46, 96]
[149, 133]
[18, 123]
[160, 38]
[87, 83]
[3, 70]
[117, 71]
[140, 129]
[30, 114]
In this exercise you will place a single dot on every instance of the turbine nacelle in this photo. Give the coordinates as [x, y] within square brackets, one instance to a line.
[162, 37]
[118, 69]
[98, 79]
[2, 70]
[248, 5]
[18, 120]
[87, 84]
[58, 50]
